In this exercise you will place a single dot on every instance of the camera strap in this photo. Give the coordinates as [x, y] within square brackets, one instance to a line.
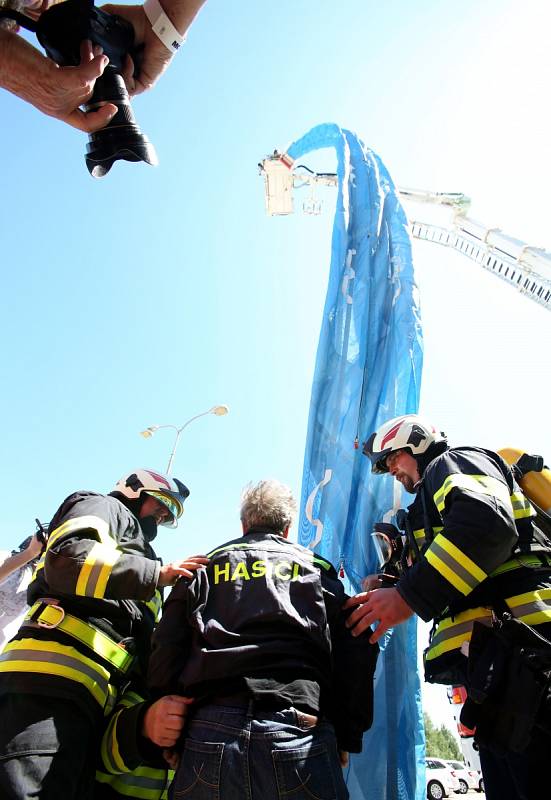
[19, 18]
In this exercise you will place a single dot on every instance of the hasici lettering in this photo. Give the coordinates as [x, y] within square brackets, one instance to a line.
[279, 570]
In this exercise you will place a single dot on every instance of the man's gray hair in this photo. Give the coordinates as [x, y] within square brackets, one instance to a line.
[268, 504]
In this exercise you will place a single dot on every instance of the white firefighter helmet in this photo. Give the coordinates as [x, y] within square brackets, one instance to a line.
[410, 432]
[169, 491]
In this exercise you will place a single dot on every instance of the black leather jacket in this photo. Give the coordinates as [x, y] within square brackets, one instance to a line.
[265, 617]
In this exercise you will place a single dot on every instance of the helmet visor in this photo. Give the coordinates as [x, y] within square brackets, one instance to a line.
[172, 504]
[377, 458]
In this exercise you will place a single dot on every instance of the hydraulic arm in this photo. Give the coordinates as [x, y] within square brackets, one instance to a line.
[526, 268]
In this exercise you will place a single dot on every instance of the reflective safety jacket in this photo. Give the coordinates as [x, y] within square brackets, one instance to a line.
[479, 549]
[129, 765]
[93, 601]
[265, 619]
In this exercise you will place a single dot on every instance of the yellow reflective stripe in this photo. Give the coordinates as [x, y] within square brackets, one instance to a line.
[155, 605]
[469, 615]
[112, 694]
[240, 546]
[51, 658]
[131, 699]
[517, 562]
[79, 524]
[39, 565]
[533, 607]
[456, 567]
[453, 643]
[96, 569]
[521, 506]
[143, 782]
[451, 633]
[105, 572]
[536, 617]
[85, 571]
[420, 536]
[93, 638]
[479, 484]
[75, 524]
[447, 573]
[110, 753]
[460, 557]
[313, 557]
[528, 597]
[115, 753]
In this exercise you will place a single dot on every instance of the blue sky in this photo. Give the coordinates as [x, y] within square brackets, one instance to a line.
[155, 293]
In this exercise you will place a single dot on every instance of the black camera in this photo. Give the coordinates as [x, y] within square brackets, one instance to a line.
[61, 30]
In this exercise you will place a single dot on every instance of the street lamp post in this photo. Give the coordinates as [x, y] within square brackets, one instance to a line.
[218, 411]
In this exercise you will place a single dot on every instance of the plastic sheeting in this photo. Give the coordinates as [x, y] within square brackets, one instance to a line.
[368, 369]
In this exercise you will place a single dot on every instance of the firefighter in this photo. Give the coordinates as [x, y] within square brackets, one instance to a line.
[258, 640]
[94, 598]
[136, 740]
[482, 559]
[134, 756]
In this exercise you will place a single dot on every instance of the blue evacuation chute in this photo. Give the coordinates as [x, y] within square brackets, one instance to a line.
[368, 369]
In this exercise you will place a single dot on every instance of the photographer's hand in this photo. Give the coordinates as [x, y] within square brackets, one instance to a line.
[156, 57]
[56, 91]
[18, 560]
[34, 548]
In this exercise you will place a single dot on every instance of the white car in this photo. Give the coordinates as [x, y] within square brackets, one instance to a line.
[468, 778]
[440, 779]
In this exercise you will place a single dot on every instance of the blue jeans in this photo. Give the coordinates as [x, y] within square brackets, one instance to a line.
[237, 754]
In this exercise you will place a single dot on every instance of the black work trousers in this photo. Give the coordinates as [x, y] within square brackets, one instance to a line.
[48, 749]
[517, 776]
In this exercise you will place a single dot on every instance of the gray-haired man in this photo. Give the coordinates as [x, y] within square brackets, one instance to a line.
[258, 638]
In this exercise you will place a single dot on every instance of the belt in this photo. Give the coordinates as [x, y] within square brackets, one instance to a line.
[244, 700]
[47, 614]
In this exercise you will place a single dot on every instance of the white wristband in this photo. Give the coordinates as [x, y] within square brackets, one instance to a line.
[162, 26]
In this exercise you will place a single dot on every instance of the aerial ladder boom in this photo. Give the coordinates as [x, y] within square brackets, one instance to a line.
[526, 268]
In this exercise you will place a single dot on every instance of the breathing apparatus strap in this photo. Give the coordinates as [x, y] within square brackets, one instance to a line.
[402, 520]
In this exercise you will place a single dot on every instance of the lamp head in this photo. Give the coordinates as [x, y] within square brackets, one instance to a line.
[148, 433]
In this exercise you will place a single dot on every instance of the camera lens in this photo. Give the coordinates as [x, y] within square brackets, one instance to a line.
[122, 137]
